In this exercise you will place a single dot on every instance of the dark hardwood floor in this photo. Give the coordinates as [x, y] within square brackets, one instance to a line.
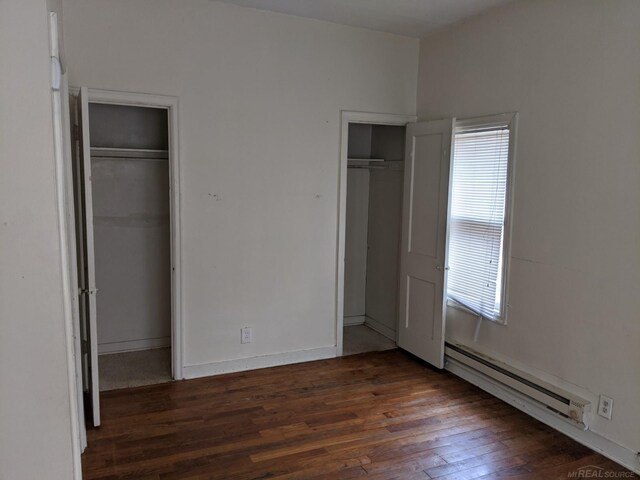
[380, 415]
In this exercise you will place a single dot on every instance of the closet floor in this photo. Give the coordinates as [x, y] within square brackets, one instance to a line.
[360, 339]
[134, 369]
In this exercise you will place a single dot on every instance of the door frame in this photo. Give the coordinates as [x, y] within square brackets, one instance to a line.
[348, 117]
[66, 236]
[169, 103]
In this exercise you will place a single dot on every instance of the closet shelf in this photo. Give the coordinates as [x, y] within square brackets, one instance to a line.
[365, 159]
[375, 164]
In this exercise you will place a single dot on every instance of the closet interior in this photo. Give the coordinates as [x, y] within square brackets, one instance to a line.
[375, 176]
[130, 204]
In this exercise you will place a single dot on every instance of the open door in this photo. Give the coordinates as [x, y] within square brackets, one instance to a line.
[67, 115]
[86, 261]
[424, 232]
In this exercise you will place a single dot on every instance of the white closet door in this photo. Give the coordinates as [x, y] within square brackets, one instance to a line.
[424, 225]
[88, 282]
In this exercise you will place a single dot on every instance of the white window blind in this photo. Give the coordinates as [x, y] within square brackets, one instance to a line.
[477, 220]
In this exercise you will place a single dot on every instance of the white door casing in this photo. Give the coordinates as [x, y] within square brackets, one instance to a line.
[348, 117]
[424, 238]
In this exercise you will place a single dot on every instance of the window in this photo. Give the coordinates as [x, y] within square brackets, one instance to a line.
[479, 215]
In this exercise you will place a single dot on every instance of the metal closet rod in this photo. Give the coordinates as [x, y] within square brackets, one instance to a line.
[368, 167]
[142, 153]
[379, 165]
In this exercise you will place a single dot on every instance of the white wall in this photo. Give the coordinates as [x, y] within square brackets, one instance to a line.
[35, 422]
[260, 99]
[355, 244]
[385, 218]
[132, 253]
[572, 70]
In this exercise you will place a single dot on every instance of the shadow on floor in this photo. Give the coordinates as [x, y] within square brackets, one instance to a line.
[361, 339]
[134, 369]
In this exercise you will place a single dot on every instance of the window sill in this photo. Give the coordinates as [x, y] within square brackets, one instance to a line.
[462, 308]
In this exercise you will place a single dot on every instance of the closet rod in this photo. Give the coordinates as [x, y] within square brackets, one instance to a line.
[368, 167]
[395, 165]
[129, 153]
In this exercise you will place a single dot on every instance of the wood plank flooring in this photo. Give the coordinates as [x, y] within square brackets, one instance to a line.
[380, 415]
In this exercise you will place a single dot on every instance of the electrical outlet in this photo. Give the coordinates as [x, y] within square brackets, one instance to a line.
[245, 335]
[605, 407]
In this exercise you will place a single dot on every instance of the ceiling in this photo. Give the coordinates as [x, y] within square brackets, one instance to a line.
[414, 18]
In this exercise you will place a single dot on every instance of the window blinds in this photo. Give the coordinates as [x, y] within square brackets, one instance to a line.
[477, 219]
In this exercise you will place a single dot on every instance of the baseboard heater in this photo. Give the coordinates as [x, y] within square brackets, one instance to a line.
[565, 404]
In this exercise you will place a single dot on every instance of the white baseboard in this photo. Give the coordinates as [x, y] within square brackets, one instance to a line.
[134, 345]
[252, 363]
[619, 454]
[380, 327]
[354, 320]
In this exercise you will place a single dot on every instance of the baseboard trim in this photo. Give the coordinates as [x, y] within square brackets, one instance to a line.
[354, 320]
[252, 363]
[619, 454]
[380, 327]
[134, 345]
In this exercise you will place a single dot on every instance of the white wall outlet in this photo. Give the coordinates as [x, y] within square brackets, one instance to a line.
[245, 335]
[605, 407]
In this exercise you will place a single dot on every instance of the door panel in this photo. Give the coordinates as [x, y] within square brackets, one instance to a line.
[87, 272]
[72, 235]
[425, 194]
[424, 221]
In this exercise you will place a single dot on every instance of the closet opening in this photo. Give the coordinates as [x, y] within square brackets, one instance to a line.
[372, 235]
[130, 183]
[124, 176]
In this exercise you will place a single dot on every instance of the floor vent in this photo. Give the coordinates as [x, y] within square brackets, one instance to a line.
[566, 404]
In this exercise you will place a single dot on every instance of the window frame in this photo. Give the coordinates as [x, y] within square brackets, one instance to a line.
[487, 122]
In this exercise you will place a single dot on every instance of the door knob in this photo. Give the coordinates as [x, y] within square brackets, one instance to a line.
[439, 267]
